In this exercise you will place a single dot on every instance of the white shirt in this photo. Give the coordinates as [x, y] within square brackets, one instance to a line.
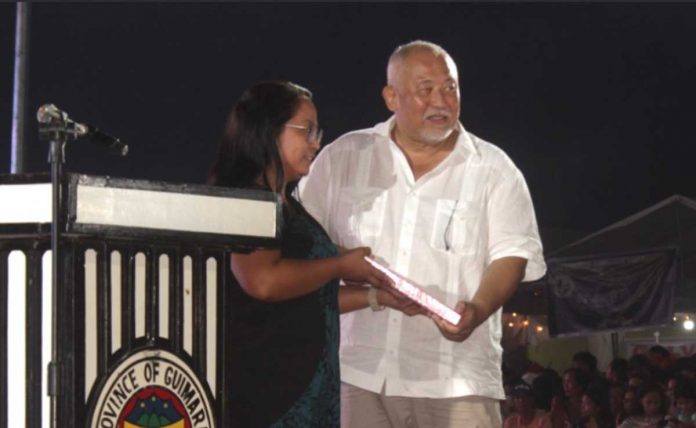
[441, 232]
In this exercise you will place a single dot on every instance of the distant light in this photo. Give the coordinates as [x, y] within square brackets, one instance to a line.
[525, 323]
[674, 318]
[539, 329]
[514, 314]
[688, 325]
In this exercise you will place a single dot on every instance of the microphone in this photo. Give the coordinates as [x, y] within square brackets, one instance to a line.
[50, 114]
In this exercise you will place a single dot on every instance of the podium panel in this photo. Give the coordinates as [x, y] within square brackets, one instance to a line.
[138, 310]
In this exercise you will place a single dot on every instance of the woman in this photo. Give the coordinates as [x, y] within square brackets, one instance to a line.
[595, 409]
[283, 335]
[653, 408]
[616, 402]
[631, 405]
[567, 411]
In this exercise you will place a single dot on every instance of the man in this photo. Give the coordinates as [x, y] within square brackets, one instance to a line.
[526, 414]
[450, 212]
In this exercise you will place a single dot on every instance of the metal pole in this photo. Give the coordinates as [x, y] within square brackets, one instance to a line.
[56, 157]
[19, 93]
[58, 131]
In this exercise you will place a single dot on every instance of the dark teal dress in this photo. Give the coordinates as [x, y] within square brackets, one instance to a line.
[283, 356]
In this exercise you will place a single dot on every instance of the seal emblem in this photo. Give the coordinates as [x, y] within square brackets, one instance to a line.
[152, 389]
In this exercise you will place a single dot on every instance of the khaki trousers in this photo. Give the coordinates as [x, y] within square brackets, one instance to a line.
[365, 409]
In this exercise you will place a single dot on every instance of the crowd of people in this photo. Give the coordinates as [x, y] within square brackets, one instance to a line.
[648, 390]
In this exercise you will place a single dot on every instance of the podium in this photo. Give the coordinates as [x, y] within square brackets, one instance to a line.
[139, 307]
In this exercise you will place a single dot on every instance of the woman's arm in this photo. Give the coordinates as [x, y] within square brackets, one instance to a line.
[266, 276]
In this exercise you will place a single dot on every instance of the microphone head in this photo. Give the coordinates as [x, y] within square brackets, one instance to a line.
[47, 113]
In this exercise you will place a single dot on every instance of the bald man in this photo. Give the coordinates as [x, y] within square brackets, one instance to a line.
[447, 210]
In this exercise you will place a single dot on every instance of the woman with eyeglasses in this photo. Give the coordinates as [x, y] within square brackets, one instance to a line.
[284, 330]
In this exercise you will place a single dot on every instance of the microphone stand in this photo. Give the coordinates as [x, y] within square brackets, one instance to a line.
[58, 129]
[58, 133]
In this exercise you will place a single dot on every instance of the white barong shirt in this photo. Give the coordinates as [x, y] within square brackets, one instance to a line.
[441, 232]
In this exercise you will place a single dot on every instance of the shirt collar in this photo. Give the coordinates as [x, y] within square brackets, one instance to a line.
[465, 143]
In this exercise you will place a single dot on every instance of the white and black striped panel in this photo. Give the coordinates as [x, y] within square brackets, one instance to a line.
[25, 308]
[211, 321]
[91, 319]
[187, 294]
[116, 306]
[46, 327]
[149, 295]
[16, 339]
[163, 296]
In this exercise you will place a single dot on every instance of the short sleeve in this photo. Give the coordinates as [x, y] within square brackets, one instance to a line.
[314, 191]
[512, 223]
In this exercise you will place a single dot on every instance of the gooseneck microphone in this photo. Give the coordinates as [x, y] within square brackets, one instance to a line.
[49, 114]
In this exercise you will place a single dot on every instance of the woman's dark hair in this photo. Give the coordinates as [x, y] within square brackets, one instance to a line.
[250, 141]
[649, 388]
[599, 394]
[619, 366]
[546, 386]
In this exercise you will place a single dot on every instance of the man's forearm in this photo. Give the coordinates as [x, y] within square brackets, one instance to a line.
[498, 284]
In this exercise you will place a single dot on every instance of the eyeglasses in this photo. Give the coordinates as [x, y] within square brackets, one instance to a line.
[314, 134]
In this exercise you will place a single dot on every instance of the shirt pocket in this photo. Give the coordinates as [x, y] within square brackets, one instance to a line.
[360, 216]
[456, 226]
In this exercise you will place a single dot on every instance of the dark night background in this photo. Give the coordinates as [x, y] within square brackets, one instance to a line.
[593, 101]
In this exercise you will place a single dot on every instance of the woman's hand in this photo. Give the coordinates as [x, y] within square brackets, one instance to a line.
[356, 270]
[392, 298]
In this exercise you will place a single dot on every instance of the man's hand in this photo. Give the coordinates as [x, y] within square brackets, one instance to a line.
[498, 283]
[462, 330]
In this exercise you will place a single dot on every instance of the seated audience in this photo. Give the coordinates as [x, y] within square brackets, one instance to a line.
[653, 408]
[525, 414]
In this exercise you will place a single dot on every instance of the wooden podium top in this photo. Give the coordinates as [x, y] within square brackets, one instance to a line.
[126, 208]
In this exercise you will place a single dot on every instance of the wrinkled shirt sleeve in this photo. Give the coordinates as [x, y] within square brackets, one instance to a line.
[512, 227]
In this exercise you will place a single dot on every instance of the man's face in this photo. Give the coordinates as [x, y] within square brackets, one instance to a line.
[424, 96]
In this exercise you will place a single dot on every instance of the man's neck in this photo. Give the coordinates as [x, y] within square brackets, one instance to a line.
[424, 157]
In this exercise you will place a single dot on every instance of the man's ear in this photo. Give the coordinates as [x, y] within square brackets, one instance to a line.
[389, 95]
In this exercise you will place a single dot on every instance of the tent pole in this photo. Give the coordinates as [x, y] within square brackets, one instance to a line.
[614, 344]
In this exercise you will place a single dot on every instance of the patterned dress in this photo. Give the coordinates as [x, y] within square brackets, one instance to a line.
[283, 356]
